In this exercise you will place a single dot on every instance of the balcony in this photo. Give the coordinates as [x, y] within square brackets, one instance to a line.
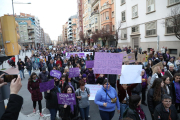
[30, 28]
[94, 12]
[108, 6]
[94, 2]
[74, 24]
[31, 38]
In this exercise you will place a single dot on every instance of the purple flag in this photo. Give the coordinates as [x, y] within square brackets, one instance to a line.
[108, 63]
[74, 72]
[46, 86]
[90, 64]
[55, 73]
[66, 98]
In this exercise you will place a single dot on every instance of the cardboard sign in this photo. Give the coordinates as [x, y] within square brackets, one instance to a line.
[158, 64]
[66, 98]
[131, 57]
[55, 73]
[90, 64]
[44, 86]
[108, 63]
[74, 72]
[93, 90]
[141, 58]
[131, 74]
[125, 56]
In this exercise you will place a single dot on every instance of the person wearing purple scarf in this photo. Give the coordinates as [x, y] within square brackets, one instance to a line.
[144, 87]
[134, 111]
[69, 111]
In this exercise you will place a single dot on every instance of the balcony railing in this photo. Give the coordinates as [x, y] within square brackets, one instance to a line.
[30, 28]
[94, 12]
[94, 2]
[105, 7]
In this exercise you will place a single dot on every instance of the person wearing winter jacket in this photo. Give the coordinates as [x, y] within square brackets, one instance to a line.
[107, 99]
[154, 95]
[124, 92]
[52, 100]
[83, 95]
[144, 87]
[156, 74]
[36, 95]
[90, 76]
[100, 79]
[29, 65]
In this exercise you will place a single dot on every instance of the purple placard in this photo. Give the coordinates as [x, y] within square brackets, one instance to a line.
[55, 73]
[83, 54]
[66, 98]
[108, 63]
[90, 64]
[74, 72]
[44, 86]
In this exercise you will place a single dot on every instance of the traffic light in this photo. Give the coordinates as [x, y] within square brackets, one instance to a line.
[9, 35]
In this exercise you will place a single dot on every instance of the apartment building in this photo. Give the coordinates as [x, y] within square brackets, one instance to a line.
[47, 39]
[64, 32]
[142, 24]
[42, 39]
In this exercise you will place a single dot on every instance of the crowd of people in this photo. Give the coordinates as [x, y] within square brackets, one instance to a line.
[160, 86]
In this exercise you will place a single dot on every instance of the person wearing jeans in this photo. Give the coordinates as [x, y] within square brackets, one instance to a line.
[29, 66]
[83, 95]
[107, 99]
[21, 68]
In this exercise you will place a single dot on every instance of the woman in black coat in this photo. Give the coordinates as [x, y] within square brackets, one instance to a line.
[52, 100]
[100, 79]
[68, 112]
[154, 95]
[69, 81]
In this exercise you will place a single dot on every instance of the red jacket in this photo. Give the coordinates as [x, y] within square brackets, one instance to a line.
[13, 58]
[34, 89]
[58, 62]
[122, 92]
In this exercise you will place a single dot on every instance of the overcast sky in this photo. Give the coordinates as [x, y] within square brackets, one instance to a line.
[52, 13]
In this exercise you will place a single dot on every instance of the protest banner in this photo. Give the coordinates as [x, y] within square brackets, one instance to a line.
[125, 56]
[68, 54]
[141, 58]
[66, 98]
[131, 57]
[90, 64]
[74, 72]
[131, 74]
[158, 64]
[93, 90]
[108, 63]
[44, 86]
[55, 73]
[50, 47]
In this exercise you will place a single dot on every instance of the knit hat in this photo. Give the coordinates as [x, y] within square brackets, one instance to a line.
[84, 76]
[43, 69]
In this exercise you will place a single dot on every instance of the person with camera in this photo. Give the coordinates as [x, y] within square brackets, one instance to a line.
[124, 92]
[83, 95]
[15, 101]
[107, 99]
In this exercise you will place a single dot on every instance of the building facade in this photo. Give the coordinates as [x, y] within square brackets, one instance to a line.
[142, 24]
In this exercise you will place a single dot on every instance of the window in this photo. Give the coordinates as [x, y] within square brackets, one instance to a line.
[124, 34]
[173, 51]
[107, 15]
[172, 2]
[151, 29]
[122, 2]
[107, 28]
[123, 16]
[135, 29]
[150, 6]
[113, 14]
[135, 11]
[95, 20]
[169, 26]
[113, 28]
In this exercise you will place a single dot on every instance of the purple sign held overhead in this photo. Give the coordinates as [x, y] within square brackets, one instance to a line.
[46, 86]
[55, 73]
[66, 98]
[74, 72]
[108, 63]
[90, 64]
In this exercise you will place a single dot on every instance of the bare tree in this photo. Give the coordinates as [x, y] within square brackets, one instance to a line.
[172, 24]
[117, 36]
[95, 36]
[106, 34]
[83, 37]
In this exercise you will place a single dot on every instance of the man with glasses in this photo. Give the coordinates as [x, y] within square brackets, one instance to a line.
[165, 110]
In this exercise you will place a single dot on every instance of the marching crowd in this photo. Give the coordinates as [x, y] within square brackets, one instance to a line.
[161, 83]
